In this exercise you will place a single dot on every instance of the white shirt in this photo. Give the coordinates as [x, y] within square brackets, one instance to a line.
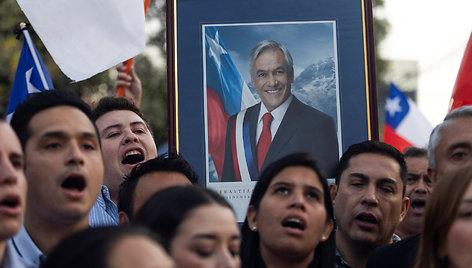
[277, 114]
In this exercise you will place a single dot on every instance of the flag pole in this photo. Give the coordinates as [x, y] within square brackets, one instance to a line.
[121, 89]
[33, 52]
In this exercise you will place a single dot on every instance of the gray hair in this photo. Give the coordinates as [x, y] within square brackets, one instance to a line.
[435, 137]
[269, 45]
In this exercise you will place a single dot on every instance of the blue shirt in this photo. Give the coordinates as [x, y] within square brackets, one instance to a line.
[104, 212]
[25, 247]
[13, 260]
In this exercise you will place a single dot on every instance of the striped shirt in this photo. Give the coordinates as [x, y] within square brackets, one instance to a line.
[104, 212]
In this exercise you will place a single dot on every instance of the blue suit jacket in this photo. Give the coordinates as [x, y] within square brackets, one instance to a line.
[303, 129]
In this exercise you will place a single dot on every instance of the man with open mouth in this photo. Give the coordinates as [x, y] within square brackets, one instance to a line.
[418, 188]
[126, 141]
[63, 169]
[368, 200]
[12, 195]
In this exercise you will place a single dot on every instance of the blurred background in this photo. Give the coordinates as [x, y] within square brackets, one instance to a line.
[419, 47]
[420, 50]
[150, 66]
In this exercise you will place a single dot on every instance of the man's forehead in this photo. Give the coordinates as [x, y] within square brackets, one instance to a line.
[273, 51]
[61, 119]
[416, 162]
[270, 49]
[367, 157]
[372, 163]
[457, 131]
[119, 118]
[461, 124]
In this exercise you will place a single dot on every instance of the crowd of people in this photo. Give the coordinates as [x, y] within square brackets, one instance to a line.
[83, 188]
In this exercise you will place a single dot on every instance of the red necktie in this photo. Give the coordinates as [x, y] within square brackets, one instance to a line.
[264, 140]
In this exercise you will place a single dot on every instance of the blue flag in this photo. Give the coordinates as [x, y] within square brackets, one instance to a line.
[222, 74]
[27, 78]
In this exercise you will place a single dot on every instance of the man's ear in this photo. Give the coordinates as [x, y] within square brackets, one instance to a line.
[252, 217]
[333, 191]
[405, 205]
[123, 218]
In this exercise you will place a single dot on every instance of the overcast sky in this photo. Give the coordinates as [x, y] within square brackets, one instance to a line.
[435, 33]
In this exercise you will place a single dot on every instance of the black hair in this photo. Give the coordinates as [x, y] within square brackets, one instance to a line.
[250, 252]
[40, 101]
[109, 104]
[167, 209]
[91, 247]
[171, 162]
[415, 152]
[371, 147]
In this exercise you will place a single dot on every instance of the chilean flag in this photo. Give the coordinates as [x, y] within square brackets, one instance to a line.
[227, 94]
[405, 125]
[462, 94]
[28, 78]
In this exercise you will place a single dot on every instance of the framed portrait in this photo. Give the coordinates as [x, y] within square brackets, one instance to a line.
[250, 82]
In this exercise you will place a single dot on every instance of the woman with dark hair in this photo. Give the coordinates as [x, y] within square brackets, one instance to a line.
[446, 240]
[110, 247]
[289, 221]
[197, 226]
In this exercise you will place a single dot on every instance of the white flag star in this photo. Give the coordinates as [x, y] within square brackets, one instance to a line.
[216, 50]
[29, 85]
[393, 106]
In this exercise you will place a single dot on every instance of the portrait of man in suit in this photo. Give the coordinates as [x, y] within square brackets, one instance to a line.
[279, 124]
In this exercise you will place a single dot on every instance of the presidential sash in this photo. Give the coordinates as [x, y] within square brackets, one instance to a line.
[245, 166]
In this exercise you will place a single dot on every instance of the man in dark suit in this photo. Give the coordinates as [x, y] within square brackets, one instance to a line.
[279, 125]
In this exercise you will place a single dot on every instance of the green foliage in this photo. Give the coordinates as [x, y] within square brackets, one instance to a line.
[10, 17]
[381, 27]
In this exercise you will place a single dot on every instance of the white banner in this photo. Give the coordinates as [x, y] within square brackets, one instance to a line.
[87, 37]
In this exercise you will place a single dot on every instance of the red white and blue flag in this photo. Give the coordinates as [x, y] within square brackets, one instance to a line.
[405, 125]
[31, 76]
[227, 94]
